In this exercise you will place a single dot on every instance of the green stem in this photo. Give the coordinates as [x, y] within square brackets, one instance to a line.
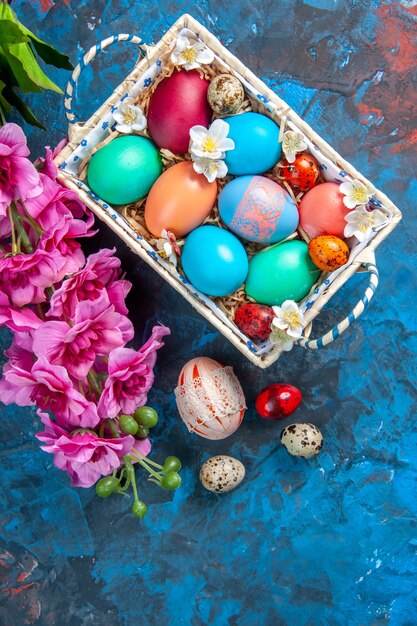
[19, 227]
[40, 311]
[30, 220]
[93, 382]
[112, 427]
[142, 456]
[10, 214]
[146, 466]
[132, 477]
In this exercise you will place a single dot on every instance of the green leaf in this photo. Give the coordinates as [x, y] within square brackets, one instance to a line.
[23, 109]
[3, 102]
[11, 33]
[26, 69]
[47, 52]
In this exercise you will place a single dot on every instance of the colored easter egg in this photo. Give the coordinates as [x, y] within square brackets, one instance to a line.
[179, 201]
[225, 94]
[214, 261]
[254, 320]
[178, 103]
[124, 170]
[278, 401]
[281, 272]
[256, 144]
[209, 398]
[257, 209]
[322, 211]
[303, 173]
[328, 252]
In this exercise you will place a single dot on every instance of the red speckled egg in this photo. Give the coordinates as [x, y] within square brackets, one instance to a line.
[278, 401]
[328, 252]
[303, 174]
[178, 103]
[322, 211]
[254, 320]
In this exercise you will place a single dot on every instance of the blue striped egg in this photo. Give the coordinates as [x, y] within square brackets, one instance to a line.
[258, 209]
[256, 144]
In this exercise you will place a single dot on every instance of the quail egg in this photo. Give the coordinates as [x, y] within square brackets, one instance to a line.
[302, 440]
[221, 473]
[225, 94]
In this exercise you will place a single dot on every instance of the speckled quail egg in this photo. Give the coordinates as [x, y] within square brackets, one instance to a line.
[221, 473]
[225, 94]
[302, 440]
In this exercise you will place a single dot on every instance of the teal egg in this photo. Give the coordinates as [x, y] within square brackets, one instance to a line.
[281, 272]
[214, 261]
[256, 144]
[124, 170]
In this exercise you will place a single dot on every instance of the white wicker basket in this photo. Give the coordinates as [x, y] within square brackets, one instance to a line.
[84, 136]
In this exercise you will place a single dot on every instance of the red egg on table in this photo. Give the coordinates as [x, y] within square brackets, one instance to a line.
[303, 174]
[178, 103]
[278, 401]
[209, 398]
[322, 211]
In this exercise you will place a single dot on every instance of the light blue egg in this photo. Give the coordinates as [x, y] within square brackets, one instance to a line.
[214, 261]
[258, 209]
[256, 144]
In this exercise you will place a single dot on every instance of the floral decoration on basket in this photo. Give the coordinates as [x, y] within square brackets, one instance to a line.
[69, 355]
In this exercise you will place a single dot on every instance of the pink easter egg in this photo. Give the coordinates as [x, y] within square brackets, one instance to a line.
[210, 398]
[322, 211]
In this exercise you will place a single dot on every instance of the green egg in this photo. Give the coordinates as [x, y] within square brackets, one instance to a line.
[124, 170]
[281, 272]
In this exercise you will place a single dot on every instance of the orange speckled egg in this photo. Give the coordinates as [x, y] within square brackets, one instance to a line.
[328, 252]
[322, 211]
[209, 398]
[179, 201]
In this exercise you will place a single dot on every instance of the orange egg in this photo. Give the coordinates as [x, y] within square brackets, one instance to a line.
[179, 201]
[209, 398]
[328, 252]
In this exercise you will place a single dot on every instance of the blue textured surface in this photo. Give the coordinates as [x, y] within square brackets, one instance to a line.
[329, 541]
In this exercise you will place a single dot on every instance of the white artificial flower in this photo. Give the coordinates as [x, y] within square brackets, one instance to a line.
[355, 193]
[280, 338]
[211, 168]
[191, 54]
[361, 221]
[167, 247]
[210, 143]
[129, 118]
[289, 318]
[292, 142]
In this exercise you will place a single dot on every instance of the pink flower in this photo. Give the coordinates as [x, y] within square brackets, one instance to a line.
[100, 273]
[130, 376]
[15, 319]
[18, 176]
[84, 456]
[54, 204]
[46, 165]
[24, 277]
[97, 330]
[49, 387]
[60, 239]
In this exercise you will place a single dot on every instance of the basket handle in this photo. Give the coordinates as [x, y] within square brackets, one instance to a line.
[72, 117]
[340, 328]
